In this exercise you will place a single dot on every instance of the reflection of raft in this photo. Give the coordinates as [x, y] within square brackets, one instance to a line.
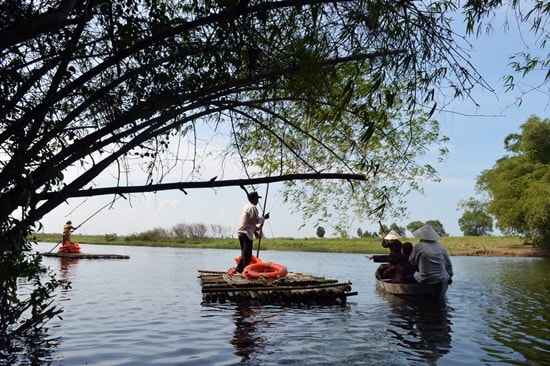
[293, 288]
[85, 256]
[426, 291]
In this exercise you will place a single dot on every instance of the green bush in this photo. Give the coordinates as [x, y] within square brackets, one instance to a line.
[157, 234]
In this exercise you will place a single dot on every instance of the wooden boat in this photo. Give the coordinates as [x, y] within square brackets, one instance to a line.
[85, 256]
[425, 291]
[293, 288]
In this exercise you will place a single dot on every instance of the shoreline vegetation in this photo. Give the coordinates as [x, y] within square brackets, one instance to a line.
[496, 246]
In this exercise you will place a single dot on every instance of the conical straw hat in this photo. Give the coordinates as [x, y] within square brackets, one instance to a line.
[426, 232]
[392, 235]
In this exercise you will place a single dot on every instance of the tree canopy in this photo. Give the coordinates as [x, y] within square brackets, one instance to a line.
[518, 185]
[290, 86]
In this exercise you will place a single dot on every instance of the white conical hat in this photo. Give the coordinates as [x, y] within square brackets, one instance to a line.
[392, 235]
[426, 232]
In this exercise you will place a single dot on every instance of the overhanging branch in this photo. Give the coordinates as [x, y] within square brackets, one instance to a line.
[203, 184]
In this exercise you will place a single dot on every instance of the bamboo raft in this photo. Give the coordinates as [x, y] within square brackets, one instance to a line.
[85, 256]
[294, 288]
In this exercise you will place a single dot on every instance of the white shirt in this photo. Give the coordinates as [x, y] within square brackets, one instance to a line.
[250, 219]
[434, 264]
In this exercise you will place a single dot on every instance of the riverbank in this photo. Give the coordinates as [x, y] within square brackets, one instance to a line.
[456, 246]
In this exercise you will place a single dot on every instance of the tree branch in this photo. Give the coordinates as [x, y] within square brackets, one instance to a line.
[38, 24]
[203, 184]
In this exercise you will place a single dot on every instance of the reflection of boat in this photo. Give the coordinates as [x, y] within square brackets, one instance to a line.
[429, 291]
[419, 329]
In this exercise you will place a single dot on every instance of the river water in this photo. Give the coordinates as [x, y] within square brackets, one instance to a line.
[148, 310]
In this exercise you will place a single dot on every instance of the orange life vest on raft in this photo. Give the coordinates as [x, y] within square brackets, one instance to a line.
[253, 260]
[232, 271]
[69, 247]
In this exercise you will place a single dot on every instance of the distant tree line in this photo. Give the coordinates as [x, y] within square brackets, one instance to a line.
[182, 232]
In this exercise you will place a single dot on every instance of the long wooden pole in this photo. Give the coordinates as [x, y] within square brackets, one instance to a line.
[98, 211]
[262, 225]
[382, 231]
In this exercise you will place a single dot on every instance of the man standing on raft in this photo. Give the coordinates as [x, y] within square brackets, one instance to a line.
[249, 225]
[68, 246]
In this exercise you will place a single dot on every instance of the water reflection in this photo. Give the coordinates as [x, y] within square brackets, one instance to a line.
[421, 328]
[148, 311]
[28, 345]
[32, 348]
[67, 274]
[67, 267]
[523, 311]
[247, 337]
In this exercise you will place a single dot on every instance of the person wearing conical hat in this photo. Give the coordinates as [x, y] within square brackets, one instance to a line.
[387, 268]
[431, 257]
[392, 239]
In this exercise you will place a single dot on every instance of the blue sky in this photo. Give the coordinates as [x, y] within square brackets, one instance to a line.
[476, 142]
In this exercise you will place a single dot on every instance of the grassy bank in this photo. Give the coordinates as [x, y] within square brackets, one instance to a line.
[459, 245]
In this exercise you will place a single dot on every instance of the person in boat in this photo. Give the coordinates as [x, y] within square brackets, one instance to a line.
[68, 246]
[431, 257]
[387, 268]
[249, 227]
[391, 238]
[404, 270]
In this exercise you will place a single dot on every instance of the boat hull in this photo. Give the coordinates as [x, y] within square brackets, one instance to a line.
[428, 291]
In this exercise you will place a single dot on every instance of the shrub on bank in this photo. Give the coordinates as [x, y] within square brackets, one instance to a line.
[153, 235]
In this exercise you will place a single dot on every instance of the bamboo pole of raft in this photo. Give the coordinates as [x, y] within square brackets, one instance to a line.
[326, 286]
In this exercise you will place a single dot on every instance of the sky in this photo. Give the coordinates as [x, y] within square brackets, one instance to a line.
[476, 143]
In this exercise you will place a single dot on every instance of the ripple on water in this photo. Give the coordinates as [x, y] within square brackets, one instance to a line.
[148, 311]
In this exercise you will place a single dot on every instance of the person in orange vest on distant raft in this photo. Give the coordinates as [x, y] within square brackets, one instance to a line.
[68, 246]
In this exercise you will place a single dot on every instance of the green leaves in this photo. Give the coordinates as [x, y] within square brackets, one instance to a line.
[518, 185]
